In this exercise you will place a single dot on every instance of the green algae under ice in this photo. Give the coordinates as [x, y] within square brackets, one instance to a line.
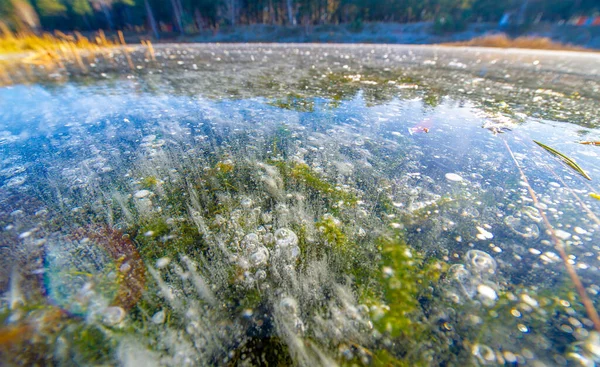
[300, 205]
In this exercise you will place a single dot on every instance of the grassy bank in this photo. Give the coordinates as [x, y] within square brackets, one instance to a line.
[57, 42]
[51, 51]
[38, 48]
[394, 33]
[528, 42]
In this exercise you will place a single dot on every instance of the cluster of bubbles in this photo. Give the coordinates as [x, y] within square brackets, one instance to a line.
[254, 257]
[269, 261]
[207, 332]
[286, 250]
[347, 320]
[524, 222]
[288, 313]
[473, 280]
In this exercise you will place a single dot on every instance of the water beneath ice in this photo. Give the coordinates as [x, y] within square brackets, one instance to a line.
[308, 205]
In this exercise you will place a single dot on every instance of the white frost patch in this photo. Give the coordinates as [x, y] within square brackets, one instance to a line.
[159, 317]
[133, 354]
[142, 194]
[453, 177]
[483, 234]
[530, 301]
[487, 292]
[162, 262]
[563, 235]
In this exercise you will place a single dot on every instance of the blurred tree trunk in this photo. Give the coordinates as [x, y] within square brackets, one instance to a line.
[271, 12]
[290, 10]
[177, 13]
[87, 22]
[107, 15]
[522, 12]
[199, 21]
[26, 15]
[151, 19]
[232, 12]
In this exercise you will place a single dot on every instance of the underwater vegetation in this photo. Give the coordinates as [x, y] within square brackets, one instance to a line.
[240, 258]
[251, 255]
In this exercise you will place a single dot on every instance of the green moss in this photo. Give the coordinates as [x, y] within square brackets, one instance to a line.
[262, 352]
[4, 314]
[295, 102]
[304, 175]
[431, 100]
[148, 182]
[402, 277]
[90, 344]
[154, 227]
[252, 300]
[331, 230]
[400, 288]
[156, 238]
[383, 358]
[301, 232]
[281, 140]
[224, 167]
[420, 215]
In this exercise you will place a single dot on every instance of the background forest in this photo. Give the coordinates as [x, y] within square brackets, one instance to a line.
[192, 16]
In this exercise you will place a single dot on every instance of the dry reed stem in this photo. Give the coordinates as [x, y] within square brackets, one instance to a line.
[121, 38]
[102, 37]
[587, 209]
[151, 50]
[125, 51]
[80, 37]
[147, 53]
[75, 52]
[4, 77]
[587, 302]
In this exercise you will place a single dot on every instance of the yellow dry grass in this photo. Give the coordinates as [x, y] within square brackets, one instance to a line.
[52, 51]
[530, 42]
[57, 44]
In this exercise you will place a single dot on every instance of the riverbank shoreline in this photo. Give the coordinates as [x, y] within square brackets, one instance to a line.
[387, 33]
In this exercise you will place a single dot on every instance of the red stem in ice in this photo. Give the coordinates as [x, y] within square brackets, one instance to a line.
[585, 299]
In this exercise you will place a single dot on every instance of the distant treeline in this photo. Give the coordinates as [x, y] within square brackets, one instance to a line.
[191, 16]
